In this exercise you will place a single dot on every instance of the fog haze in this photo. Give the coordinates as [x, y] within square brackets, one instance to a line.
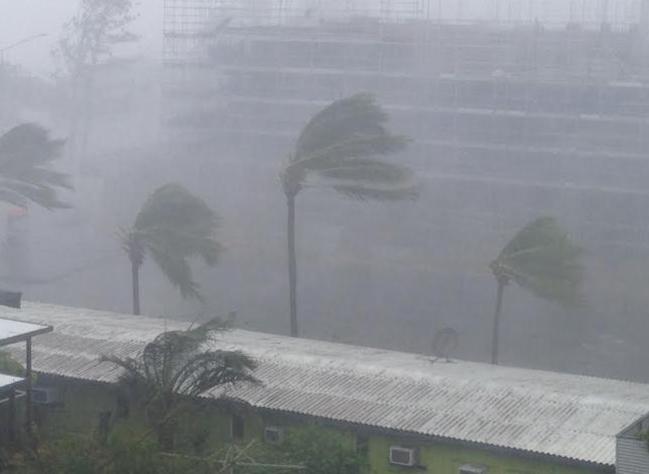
[515, 110]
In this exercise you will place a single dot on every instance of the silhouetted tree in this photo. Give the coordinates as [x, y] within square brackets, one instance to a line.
[87, 42]
[542, 259]
[172, 226]
[337, 149]
[26, 173]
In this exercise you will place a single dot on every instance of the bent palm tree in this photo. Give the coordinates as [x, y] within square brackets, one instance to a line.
[176, 366]
[336, 149]
[172, 226]
[542, 259]
[26, 174]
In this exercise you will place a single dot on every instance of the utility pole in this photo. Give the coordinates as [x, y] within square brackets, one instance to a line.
[3, 70]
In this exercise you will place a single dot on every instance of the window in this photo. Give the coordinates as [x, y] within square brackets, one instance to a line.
[362, 445]
[273, 434]
[237, 427]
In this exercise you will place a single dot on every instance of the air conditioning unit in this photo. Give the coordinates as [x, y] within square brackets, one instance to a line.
[403, 456]
[472, 469]
[273, 434]
[45, 395]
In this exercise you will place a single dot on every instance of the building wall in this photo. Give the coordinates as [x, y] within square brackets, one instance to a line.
[437, 458]
[632, 450]
[632, 456]
[207, 426]
[80, 407]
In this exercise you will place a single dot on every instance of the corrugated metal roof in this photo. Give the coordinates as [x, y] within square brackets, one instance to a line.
[563, 415]
[12, 331]
[7, 381]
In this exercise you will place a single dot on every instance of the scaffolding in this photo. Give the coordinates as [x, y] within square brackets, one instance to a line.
[506, 94]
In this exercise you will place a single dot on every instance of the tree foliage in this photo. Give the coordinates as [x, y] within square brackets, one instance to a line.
[172, 227]
[318, 449]
[338, 149]
[10, 366]
[89, 37]
[542, 259]
[128, 450]
[27, 175]
[178, 366]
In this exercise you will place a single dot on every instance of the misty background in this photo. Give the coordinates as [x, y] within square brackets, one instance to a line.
[573, 144]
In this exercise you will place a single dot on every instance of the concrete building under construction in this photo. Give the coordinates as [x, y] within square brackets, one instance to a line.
[516, 108]
[530, 101]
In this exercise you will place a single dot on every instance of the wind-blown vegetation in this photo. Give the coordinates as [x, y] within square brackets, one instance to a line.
[27, 174]
[172, 227]
[177, 366]
[338, 150]
[542, 259]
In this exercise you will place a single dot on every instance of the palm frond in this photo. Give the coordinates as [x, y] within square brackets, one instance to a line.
[369, 193]
[206, 370]
[339, 143]
[174, 365]
[354, 147]
[26, 175]
[366, 170]
[355, 116]
[177, 270]
[542, 259]
[174, 226]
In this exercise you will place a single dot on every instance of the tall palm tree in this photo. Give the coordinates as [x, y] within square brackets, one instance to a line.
[542, 259]
[172, 226]
[338, 149]
[174, 367]
[26, 174]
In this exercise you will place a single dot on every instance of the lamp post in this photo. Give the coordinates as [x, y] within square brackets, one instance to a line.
[3, 50]
[20, 42]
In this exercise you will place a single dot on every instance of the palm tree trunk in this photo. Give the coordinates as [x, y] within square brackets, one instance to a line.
[292, 264]
[496, 326]
[135, 281]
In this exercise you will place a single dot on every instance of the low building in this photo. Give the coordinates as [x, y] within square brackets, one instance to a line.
[406, 411]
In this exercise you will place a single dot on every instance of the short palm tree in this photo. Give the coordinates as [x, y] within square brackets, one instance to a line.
[178, 366]
[338, 149]
[172, 226]
[26, 174]
[542, 259]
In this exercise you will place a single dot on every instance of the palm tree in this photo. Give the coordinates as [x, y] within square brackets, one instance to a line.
[542, 259]
[337, 149]
[172, 226]
[26, 174]
[175, 367]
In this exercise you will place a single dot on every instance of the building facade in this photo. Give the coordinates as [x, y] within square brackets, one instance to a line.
[403, 411]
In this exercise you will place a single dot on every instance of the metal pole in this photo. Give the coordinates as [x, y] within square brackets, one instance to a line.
[28, 385]
[12, 416]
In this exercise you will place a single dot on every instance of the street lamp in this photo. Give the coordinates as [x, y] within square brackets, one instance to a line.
[18, 43]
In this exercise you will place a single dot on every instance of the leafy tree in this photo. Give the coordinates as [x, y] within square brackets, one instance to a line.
[542, 259]
[175, 367]
[337, 149]
[87, 42]
[172, 226]
[128, 450]
[26, 173]
[10, 366]
[319, 450]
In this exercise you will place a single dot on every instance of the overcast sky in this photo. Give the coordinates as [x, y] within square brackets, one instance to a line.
[23, 18]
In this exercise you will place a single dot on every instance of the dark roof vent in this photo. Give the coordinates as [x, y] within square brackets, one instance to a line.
[10, 298]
